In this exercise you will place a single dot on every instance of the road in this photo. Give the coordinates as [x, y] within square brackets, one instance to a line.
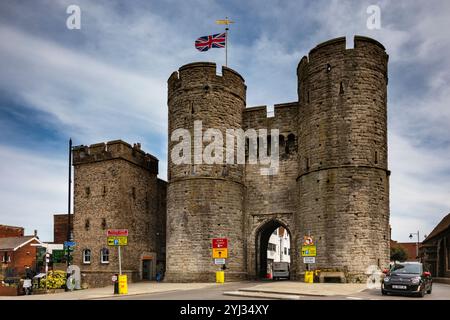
[440, 292]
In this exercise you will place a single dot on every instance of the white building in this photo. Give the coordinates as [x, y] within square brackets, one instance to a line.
[279, 248]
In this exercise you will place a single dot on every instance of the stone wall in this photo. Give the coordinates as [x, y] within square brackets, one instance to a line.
[343, 178]
[115, 187]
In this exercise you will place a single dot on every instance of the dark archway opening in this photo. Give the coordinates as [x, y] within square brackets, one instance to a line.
[273, 244]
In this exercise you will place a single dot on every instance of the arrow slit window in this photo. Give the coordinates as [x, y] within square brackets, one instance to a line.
[86, 256]
[104, 255]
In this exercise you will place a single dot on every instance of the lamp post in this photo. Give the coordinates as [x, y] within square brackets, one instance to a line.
[417, 244]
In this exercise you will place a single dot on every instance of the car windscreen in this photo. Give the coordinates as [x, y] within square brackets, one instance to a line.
[407, 268]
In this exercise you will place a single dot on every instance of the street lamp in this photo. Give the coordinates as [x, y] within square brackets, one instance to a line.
[417, 244]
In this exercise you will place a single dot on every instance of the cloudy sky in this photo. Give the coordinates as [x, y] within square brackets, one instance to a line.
[107, 81]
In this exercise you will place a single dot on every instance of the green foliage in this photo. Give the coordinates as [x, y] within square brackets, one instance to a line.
[398, 253]
[55, 280]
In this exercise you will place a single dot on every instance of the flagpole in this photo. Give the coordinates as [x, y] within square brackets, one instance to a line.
[226, 46]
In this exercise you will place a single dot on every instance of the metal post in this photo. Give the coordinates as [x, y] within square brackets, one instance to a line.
[226, 46]
[120, 262]
[417, 247]
[69, 231]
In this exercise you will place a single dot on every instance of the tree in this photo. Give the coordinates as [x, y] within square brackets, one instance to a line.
[398, 253]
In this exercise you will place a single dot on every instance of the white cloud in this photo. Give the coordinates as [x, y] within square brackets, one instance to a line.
[32, 188]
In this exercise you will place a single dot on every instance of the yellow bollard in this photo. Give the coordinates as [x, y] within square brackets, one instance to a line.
[123, 286]
[220, 276]
[309, 276]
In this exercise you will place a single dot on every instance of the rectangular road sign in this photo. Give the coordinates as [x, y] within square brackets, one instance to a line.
[117, 233]
[68, 244]
[220, 243]
[219, 261]
[309, 259]
[220, 253]
[117, 241]
[309, 251]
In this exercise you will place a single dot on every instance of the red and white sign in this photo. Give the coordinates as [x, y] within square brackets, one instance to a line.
[219, 243]
[117, 233]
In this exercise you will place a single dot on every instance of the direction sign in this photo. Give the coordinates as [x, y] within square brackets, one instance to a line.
[309, 251]
[220, 243]
[219, 261]
[68, 244]
[309, 259]
[220, 253]
[117, 233]
[117, 241]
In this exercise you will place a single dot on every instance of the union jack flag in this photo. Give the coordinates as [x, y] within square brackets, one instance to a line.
[207, 42]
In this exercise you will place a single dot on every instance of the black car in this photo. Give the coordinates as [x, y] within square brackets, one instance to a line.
[407, 278]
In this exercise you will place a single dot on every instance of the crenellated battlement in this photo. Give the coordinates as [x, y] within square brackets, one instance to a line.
[204, 75]
[116, 149]
[336, 47]
[281, 110]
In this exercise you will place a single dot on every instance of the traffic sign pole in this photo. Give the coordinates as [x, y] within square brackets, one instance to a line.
[120, 262]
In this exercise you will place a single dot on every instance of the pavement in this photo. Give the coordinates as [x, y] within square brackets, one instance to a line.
[107, 292]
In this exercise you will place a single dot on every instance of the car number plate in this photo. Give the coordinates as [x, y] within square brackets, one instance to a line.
[398, 287]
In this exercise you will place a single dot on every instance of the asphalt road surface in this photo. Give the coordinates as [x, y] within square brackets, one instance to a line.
[440, 292]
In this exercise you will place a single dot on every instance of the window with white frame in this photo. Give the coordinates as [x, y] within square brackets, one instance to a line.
[86, 256]
[104, 255]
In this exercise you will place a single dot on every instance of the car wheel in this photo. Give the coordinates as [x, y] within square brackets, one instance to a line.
[383, 292]
[422, 292]
[429, 290]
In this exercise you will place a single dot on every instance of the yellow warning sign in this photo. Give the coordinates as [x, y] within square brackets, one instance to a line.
[309, 251]
[220, 253]
[117, 241]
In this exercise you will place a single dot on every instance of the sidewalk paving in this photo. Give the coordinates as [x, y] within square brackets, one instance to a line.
[281, 289]
[106, 292]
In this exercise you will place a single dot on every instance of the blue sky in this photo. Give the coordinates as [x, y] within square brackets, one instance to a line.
[107, 81]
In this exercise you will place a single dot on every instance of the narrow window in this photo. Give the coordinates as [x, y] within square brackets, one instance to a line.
[269, 144]
[341, 88]
[104, 190]
[308, 97]
[307, 163]
[86, 256]
[290, 144]
[328, 67]
[103, 223]
[87, 190]
[376, 157]
[133, 192]
[104, 255]
[87, 224]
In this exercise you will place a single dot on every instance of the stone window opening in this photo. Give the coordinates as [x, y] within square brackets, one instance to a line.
[104, 190]
[307, 163]
[307, 97]
[104, 255]
[376, 157]
[87, 256]
[133, 193]
[290, 144]
[341, 88]
[269, 145]
[103, 223]
[328, 67]
[87, 225]
[87, 191]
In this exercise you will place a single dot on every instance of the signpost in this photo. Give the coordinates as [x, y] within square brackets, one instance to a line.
[309, 251]
[220, 248]
[118, 238]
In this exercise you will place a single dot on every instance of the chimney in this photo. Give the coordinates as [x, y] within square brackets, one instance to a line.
[35, 233]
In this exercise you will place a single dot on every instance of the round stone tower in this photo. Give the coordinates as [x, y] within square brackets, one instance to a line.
[343, 180]
[204, 200]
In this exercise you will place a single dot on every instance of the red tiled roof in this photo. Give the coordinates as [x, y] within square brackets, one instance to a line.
[442, 226]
